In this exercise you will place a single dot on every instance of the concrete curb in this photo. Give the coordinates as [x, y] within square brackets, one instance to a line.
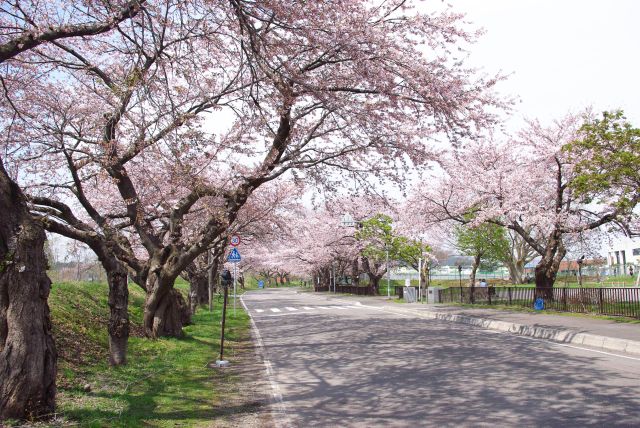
[604, 343]
[556, 335]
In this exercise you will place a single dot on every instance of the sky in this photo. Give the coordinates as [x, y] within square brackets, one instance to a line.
[560, 55]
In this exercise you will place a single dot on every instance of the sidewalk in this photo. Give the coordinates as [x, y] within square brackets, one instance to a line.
[595, 333]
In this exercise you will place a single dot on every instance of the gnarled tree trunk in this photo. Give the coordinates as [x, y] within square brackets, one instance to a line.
[198, 290]
[28, 358]
[547, 268]
[118, 327]
[165, 310]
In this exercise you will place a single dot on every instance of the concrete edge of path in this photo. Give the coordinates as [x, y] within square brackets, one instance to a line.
[280, 414]
[557, 335]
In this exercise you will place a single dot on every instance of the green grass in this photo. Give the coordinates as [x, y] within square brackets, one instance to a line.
[166, 382]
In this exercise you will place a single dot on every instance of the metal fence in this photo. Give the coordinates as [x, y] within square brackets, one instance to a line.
[606, 301]
[352, 289]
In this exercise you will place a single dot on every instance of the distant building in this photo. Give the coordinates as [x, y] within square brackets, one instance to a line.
[623, 253]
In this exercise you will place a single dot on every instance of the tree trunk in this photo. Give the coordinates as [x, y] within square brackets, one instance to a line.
[547, 268]
[355, 273]
[374, 281]
[516, 271]
[165, 310]
[198, 291]
[474, 269]
[213, 276]
[28, 358]
[118, 327]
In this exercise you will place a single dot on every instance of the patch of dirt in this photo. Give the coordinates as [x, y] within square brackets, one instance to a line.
[247, 400]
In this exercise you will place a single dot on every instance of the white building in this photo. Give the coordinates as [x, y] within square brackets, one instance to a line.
[623, 253]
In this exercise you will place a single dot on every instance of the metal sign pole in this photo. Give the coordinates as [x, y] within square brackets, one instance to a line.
[420, 279]
[235, 274]
[210, 279]
[388, 277]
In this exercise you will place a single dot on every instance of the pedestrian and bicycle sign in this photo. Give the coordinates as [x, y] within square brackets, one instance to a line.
[539, 304]
[234, 256]
[234, 241]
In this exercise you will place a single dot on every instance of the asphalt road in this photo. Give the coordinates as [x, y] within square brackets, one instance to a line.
[336, 364]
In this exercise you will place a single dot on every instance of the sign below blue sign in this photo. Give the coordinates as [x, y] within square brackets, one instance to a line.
[539, 304]
[234, 256]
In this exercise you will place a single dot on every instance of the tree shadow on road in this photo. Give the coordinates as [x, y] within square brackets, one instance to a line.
[339, 369]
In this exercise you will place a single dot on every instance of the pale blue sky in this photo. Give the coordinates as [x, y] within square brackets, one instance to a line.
[564, 54]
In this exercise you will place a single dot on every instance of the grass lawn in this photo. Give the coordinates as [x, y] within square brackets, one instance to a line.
[166, 382]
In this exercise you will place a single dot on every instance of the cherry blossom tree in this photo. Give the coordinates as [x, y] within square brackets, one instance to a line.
[528, 185]
[306, 93]
[29, 24]
[26, 345]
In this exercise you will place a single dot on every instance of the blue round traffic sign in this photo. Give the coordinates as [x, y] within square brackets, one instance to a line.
[538, 305]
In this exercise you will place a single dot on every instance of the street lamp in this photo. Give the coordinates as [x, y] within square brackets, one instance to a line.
[460, 274]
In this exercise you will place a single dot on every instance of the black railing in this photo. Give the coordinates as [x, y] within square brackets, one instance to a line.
[606, 301]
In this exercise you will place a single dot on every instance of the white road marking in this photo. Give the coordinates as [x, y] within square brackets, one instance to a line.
[289, 308]
[280, 408]
[338, 307]
[307, 308]
[275, 310]
[259, 311]
[322, 307]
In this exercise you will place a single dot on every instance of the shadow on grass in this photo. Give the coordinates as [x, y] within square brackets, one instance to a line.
[166, 383]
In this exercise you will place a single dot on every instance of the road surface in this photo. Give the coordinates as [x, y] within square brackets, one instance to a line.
[338, 364]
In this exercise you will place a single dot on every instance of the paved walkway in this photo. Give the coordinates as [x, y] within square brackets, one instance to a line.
[580, 330]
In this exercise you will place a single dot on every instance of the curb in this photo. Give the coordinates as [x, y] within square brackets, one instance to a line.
[556, 335]
[604, 343]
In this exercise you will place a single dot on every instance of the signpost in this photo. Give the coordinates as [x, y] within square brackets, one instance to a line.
[234, 257]
[261, 284]
[234, 241]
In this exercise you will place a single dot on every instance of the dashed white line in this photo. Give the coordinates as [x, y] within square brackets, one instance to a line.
[307, 308]
[259, 311]
[289, 308]
[275, 310]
